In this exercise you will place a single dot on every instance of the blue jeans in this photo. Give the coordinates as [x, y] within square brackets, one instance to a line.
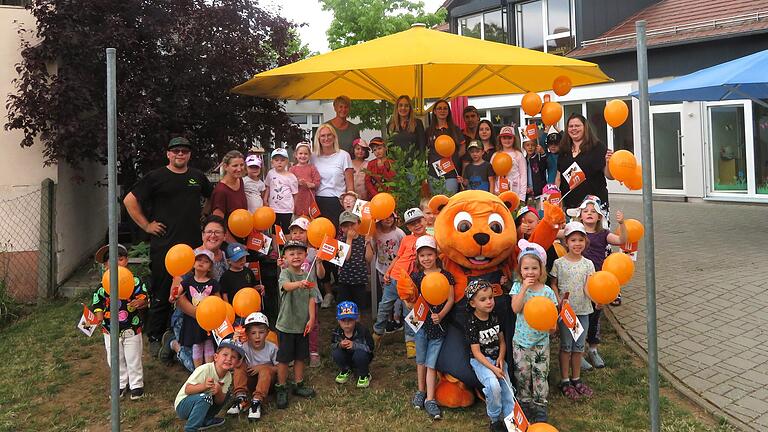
[499, 396]
[386, 305]
[567, 344]
[184, 356]
[355, 360]
[427, 349]
[197, 410]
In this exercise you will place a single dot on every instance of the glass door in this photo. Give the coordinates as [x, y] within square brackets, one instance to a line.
[667, 149]
[728, 136]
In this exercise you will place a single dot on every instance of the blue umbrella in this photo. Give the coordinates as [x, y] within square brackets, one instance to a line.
[743, 78]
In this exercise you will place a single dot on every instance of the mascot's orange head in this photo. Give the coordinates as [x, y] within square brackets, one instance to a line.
[475, 229]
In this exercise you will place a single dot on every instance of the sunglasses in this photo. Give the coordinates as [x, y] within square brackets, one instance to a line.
[179, 150]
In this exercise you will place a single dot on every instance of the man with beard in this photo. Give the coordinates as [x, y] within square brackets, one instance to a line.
[167, 204]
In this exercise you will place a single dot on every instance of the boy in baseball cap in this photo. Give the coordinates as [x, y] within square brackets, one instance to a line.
[351, 345]
[238, 275]
[258, 369]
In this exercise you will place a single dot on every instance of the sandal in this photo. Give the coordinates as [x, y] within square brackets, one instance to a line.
[570, 392]
[583, 389]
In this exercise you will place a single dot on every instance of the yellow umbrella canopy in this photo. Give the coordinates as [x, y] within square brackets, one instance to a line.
[422, 63]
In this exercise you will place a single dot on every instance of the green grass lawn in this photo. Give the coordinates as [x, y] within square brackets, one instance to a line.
[55, 379]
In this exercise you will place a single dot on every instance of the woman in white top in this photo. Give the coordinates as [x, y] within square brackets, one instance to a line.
[336, 172]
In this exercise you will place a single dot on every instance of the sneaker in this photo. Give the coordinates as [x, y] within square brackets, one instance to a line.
[342, 377]
[137, 393]
[281, 394]
[376, 341]
[123, 392]
[364, 382]
[539, 413]
[237, 406]
[595, 359]
[212, 423]
[303, 391]
[393, 326]
[327, 300]
[410, 349]
[255, 412]
[314, 360]
[585, 365]
[433, 410]
[154, 348]
[418, 400]
[497, 426]
[165, 351]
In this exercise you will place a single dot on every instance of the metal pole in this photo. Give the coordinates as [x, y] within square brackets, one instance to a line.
[650, 262]
[114, 311]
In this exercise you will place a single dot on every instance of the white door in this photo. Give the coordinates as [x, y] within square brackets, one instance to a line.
[667, 149]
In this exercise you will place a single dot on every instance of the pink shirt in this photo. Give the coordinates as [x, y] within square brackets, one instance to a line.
[306, 195]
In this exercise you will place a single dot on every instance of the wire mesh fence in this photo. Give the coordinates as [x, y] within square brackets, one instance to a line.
[26, 229]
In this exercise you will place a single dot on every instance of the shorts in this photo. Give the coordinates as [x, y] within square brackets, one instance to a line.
[292, 346]
[567, 344]
[427, 349]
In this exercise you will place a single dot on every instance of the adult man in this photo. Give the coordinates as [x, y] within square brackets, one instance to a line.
[471, 120]
[167, 204]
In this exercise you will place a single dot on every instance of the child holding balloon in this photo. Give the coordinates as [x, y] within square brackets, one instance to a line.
[308, 178]
[569, 276]
[429, 338]
[197, 286]
[530, 347]
[131, 320]
[590, 214]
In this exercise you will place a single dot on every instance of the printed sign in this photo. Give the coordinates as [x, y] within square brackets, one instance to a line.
[255, 241]
[502, 184]
[443, 166]
[421, 309]
[280, 235]
[532, 132]
[574, 175]
[571, 321]
[87, 322]
[314, 210]
[413, 322]
[221, 332]
[255, 267]
[361, 207]
[516, 421]
[333, 251]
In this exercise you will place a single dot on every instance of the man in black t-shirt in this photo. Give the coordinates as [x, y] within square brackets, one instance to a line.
[471, 122]
[167, 204]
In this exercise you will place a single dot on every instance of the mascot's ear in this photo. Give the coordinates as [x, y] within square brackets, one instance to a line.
[510, 199]
[437, 203]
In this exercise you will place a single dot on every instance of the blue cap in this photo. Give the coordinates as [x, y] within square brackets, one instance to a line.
[347, 309]
[235, 251]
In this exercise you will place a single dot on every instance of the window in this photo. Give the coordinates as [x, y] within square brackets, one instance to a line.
[489, 25]
[596, 119]
[15, 2]
[760, 115]
[729, 160]
[504, 117]
[546, 25]
[307, 122]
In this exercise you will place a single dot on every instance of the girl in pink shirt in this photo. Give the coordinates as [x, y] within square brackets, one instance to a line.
[308, 177]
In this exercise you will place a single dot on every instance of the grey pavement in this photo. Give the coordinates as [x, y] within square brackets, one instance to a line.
[712, 302]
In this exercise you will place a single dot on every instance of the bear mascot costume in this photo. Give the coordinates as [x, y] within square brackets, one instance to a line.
[476, 236]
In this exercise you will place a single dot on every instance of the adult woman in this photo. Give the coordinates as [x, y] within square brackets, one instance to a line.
[346, 131]
[335, 168]
[406, 130]
[229, 193]
[213, 240]
[487, 136]
[579, 145]
[441, 123]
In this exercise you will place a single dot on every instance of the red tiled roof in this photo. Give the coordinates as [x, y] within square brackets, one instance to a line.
[672, 22]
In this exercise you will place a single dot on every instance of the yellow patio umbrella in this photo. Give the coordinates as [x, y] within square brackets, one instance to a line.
[421, 63]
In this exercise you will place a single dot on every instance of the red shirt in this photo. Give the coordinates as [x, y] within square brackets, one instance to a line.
[227, 200]
[379, 172]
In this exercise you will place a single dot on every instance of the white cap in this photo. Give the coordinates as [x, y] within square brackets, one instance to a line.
[256, 318]
[425, 241]
[300, 222]
[203, 251]
[412, 214]
[572, 227]
[279, 152]
[253, 160]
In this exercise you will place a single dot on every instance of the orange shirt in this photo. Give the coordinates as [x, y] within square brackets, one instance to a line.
[406, 257]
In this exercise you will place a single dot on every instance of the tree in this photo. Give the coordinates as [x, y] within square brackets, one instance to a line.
[356, 21]
[176, 61]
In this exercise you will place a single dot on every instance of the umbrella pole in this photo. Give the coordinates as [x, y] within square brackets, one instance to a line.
[418, 85]
[650, 264]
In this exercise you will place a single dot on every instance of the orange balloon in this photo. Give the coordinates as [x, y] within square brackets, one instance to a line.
[435, 288]
[367, 226]
[540, 313]
[382, 205]
[541, 427]
[125, 282]
[501, 163]
[562, 85]
[230, 313]
[318, 229]
[531, 103]
[263, 218]
[240, 223]
[246, 302]
[635, 230]
[621, 265]
[445, 146]
[551, 113]
[622, 165]
[211, 312]
[635, 181]
[179, 259]
[616, 112]
[603, 287]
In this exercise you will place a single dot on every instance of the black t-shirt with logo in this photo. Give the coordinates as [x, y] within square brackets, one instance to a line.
[485, 333]
[175, 200]
[233, 281]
